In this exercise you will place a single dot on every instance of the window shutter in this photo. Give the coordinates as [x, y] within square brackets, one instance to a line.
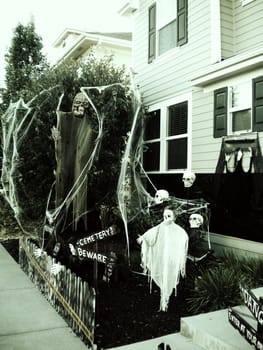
[257, 106]
[220, 112]
[152, 33]
[182, 19]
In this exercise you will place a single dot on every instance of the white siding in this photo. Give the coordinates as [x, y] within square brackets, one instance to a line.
[170, 74]
[241, 26]
[205, 149]
[172, 70]
[248, 25]
[226, 14]
[121, 56]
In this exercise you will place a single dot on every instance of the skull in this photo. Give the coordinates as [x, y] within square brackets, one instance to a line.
[188, 178]
[161, 196]
[80, 105]
[196, 220]
[168, 216]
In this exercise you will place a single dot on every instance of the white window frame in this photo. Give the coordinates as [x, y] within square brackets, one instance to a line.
[243, 104]
[164, 108]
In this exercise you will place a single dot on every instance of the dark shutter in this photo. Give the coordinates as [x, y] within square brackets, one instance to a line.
[257, 104]
[152, 33]
[182, 19]
[220, 112]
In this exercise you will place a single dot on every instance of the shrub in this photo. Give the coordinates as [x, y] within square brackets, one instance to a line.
[217, 287]
[214, 289]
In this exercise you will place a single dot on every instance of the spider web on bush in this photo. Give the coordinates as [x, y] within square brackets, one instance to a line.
[21, 185]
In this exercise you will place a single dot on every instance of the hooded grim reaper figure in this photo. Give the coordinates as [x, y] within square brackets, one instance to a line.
[75, 143]
[163, 254]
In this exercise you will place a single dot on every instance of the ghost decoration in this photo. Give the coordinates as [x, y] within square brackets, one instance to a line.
[196, 220]
[161, 196]
[163, 255]
[188, 178]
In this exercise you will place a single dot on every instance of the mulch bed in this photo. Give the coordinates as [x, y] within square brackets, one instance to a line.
[130, 313]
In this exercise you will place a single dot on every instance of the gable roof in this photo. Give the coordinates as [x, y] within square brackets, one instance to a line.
[125, 36]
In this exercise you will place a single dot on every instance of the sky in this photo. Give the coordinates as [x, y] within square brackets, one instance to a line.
[51, 17]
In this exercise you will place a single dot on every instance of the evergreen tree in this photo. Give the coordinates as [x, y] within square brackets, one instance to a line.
[24, 60]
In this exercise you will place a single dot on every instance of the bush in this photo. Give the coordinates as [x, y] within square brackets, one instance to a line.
[35, 171]
[218, 287]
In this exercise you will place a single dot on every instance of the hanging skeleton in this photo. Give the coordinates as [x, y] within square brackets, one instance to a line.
[164, 252]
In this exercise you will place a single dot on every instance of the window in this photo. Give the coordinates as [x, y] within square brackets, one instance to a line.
[241, 120]
[239, 109]
[167, 26]
[166, 138]
[151, 154]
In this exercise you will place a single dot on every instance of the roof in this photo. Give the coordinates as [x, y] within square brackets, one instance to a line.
[126, 36]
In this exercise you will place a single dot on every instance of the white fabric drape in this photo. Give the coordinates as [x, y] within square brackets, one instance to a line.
[164, 253]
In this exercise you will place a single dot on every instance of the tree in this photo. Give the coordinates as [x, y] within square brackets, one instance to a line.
[24, 60]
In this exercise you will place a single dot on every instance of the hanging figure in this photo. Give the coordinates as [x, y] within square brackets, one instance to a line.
[75, 140]
[163, 255]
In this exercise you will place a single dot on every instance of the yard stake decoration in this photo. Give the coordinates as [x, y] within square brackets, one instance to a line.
[255, 306]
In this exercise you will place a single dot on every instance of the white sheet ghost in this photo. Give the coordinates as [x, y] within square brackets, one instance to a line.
[163, 255]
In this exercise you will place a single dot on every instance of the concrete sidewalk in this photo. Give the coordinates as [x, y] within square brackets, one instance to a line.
[27, 319]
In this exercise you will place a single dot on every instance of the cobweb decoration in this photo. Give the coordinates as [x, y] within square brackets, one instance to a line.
[133, 198]
[58, 216]
[199, 238]
[16, 124]
[135, 201]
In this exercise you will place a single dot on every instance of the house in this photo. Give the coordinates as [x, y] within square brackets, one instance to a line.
[76, 45]
[199, 65]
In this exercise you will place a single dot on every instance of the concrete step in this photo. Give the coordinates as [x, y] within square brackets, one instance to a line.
[213, 331]
[175, 340]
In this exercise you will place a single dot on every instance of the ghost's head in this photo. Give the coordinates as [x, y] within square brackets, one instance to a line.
[188, 178]
[161, 196]
[168, 216]
[196, 220]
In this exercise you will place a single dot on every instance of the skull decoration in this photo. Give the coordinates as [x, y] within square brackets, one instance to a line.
[161, 196]
[168, 216]
[188, 178]
[196, 220]
[79, 106]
